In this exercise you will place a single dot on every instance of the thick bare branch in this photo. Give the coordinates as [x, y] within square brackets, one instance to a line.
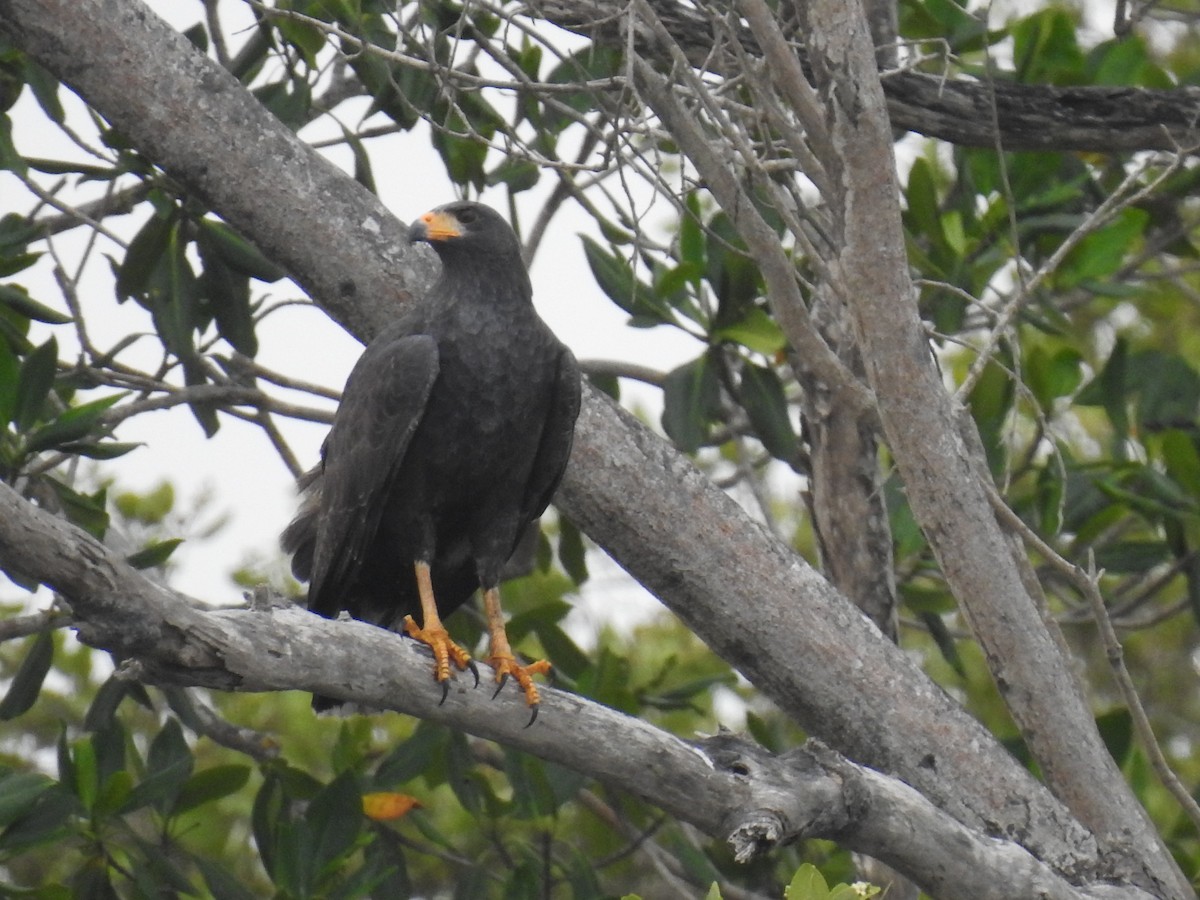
[958, 110]
[941, 479]
[727, 787]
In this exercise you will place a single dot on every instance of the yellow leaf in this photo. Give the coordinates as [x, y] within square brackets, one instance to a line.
[384, 806]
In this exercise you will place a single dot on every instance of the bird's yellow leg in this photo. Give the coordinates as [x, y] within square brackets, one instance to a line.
[501, 656]
[433, 633]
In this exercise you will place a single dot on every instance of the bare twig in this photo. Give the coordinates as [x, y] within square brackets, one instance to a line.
[1087, 582]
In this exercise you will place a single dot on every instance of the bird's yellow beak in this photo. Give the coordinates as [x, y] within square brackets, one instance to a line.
[440, 226]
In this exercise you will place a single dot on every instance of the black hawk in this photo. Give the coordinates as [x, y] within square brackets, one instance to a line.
[452, 435]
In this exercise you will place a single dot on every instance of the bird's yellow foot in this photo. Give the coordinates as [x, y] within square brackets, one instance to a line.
[445, 652]
[505, 665]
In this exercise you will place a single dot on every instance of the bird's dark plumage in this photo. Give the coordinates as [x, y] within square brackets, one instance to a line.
[453, 432]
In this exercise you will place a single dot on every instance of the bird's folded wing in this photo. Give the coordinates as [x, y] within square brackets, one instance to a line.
[558, 432]
[382, 405]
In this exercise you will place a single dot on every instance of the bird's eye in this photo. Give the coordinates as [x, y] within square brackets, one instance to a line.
[467, 216]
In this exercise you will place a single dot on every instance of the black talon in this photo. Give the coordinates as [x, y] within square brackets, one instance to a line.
[503, 682]
[445, 691]
[474, 670]
[533, 714]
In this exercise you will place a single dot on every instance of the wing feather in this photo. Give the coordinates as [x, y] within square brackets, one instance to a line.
[558, 433]
[382, 405]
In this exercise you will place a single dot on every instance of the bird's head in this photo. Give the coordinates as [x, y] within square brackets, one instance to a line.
[465, 227]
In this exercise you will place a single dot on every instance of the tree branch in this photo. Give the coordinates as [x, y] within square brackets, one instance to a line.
[726, 786]
[946, 494]
[957, 110]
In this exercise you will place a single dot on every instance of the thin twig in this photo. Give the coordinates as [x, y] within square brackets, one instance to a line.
[23, 626]
[1112, 206]
[1087, 582]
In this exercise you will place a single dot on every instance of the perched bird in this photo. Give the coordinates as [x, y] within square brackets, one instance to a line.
[452, 435]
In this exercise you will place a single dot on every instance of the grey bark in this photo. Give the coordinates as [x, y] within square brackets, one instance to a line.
[745, 594]
[959, 110]
[944, 487]
[725, 786]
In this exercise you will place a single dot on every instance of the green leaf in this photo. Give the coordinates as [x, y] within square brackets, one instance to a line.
[145, 254]
[10, 373]
[99, 450]
[9, 157]
[463, 776]
[1108, 389]
[221, 883]
[18, 262]
[113, 795]
[151, 508]
[335, 817]
[19, 793]
[568, 658]
[18, 300]
[990, 403]
[532, 796]
[306, 38]
[732, 274]
[104, 705]
[1102, 252]
[269, 807]
[1051, 487]
[45, 90]
[362, 161]
[1182, 459]
[86, 776]
[289, 100]
[518, 174]
[592, 62]
[1168, 389]
[154, 554]
[72, 167]
[571, 551]
[756, 331]
[1045, 48]
[210, 785]
[411, 757]
[941, 635]
[45, 824]
[72, 425]
[169, 765]
[1116, 728]
[34, 384]
[1051, 376]
[924, 210]
[616, 278]
[760, 393]
[692, 242]
[197, 36]
[807, 884]
[27, 683]
[1132, 557]
[86, 511]
[691, 400]
[228, 296]
[462, 144]
[385, 855]
[220, 240]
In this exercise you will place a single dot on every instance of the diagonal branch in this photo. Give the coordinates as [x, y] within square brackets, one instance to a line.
[938, 468]
[1108, 119]
[725, 786]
